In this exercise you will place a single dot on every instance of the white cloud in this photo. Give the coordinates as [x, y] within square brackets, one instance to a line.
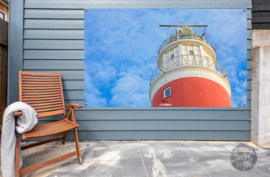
[130, 91]
[94, 101]
[243, 73]
[101, 72]
[92, 96]
[130, 100]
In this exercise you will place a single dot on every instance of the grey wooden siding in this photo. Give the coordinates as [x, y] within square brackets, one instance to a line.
[53, 41]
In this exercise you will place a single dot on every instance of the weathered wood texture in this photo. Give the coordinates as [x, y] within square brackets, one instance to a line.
[3, 67]
[44, 92]
[260, 14]
[53, 35]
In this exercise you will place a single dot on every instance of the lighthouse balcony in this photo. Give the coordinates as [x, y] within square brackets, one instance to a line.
[183, 36]
[185, 61]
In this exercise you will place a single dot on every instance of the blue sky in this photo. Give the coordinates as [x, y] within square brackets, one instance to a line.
[119, 44]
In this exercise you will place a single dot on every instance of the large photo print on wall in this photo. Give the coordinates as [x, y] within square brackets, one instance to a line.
[165, 58]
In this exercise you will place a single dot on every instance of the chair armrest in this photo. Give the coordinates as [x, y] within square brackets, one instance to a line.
[71, 113]
[74, 105]
[18, 113]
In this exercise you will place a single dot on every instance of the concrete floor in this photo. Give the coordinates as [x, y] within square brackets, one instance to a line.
[145, 158]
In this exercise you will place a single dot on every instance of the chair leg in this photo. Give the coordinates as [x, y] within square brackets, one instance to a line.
[77, 146]
[64, 138]
[17, 155]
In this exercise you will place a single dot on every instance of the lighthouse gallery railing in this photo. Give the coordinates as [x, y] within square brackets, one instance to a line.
[187, 60]
[184, 36]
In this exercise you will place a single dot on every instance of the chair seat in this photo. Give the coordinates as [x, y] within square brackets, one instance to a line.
[50, 129]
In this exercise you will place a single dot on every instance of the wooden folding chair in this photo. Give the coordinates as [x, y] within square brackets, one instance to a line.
[44, 92]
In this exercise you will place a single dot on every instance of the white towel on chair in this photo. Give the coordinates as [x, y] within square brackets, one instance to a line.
[26, 122]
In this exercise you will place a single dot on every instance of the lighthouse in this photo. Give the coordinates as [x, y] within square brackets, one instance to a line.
[188, 73]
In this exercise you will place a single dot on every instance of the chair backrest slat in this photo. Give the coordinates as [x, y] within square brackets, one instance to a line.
[42, 91]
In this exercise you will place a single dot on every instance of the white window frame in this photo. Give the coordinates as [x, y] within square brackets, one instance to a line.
[4, 14]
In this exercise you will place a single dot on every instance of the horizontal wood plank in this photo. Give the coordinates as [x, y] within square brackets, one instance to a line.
[66, 75]
[261, 26]
[260, 13]
[143, 114]
[54, 64]
[163, 135]
[261, 20]
[54, 54]
[53, 34]
[74, 95]
[73, 85]
[81, 4]
[158, 135]
[164, 125]
[67, 14]
[54, 14]
[53, 24]
[54, 44]
[261, 5]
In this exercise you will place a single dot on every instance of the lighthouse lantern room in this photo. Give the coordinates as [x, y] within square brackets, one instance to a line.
[188, 73]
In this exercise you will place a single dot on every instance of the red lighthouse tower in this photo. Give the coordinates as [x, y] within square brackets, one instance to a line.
[188, 74]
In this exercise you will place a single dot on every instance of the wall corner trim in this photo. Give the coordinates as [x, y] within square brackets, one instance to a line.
[15, 52]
